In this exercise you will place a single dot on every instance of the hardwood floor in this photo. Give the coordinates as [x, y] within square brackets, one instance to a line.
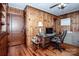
[20, 50]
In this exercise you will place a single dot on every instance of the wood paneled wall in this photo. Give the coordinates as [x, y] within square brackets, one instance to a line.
[16, 26]
[33, 16]
[16, 11]
[74, 16]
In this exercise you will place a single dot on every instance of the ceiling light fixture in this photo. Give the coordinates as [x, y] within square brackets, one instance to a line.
[61, 5]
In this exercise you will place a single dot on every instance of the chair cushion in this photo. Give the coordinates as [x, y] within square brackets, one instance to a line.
[55, 40]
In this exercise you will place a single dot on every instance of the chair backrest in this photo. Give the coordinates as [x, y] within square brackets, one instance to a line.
[63, 35]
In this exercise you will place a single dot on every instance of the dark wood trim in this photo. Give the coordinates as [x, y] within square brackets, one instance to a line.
[24, 26]
[69, 13]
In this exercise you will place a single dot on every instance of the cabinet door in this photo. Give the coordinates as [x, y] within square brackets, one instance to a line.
[3, 46]
[16, 29]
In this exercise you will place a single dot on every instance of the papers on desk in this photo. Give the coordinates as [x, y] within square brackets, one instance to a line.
[47, 35]
[34, 40]
[53, 34]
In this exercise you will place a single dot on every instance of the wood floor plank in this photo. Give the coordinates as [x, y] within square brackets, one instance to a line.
[25, 51]
[21, 50]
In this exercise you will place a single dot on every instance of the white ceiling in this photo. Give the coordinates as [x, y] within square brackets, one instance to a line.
[70, 7]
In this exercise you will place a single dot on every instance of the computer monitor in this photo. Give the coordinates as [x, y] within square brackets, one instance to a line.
[49, 30]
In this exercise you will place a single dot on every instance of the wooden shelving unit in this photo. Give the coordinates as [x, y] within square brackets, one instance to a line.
[3, 11]
[3, 31]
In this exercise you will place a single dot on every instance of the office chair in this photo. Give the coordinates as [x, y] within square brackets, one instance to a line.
[58, 40]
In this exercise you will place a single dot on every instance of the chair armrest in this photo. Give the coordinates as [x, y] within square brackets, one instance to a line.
[57, 38]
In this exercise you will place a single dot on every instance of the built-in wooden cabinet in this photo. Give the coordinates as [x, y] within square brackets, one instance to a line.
[3, 44]
[3, 30]
[3, 17]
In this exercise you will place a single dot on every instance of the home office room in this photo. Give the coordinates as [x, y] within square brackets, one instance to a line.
[39, 29]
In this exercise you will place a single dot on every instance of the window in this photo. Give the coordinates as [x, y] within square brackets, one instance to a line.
[65, 21]
[65, 24]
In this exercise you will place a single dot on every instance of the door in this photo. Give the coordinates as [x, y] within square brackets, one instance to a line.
[16, 29]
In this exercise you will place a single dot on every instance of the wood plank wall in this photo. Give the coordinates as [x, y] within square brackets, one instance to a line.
[33, 16]
[16, 34]
[16, 11]
[74, 16]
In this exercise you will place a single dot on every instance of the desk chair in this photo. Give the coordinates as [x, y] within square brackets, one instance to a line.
[58, 40]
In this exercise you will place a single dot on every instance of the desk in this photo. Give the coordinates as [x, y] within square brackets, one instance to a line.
[45, 39]
[35, 43]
